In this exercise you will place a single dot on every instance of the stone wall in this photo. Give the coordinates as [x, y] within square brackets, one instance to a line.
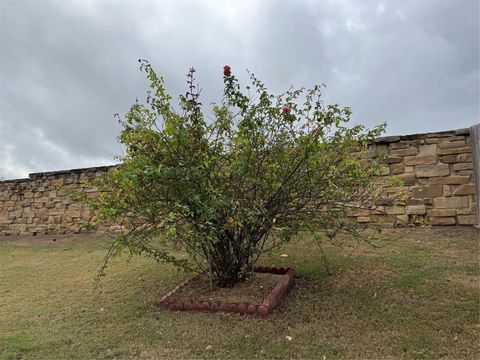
[436, 169]
[39, 204]
[437, 174]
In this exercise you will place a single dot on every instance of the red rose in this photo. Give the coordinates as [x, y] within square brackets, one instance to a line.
[226, 70]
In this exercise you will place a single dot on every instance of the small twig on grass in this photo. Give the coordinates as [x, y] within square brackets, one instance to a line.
[318, 241]
[209, 259]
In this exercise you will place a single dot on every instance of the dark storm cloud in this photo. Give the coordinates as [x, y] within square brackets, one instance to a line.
[67, 67]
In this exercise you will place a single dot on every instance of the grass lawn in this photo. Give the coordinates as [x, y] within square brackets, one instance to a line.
[416, 298]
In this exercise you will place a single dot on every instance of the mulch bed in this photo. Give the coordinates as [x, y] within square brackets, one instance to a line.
[257, 297]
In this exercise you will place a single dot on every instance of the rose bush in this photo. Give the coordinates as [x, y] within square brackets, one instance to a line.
[213, 194]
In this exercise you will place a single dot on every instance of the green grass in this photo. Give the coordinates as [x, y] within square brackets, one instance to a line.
[417, 298]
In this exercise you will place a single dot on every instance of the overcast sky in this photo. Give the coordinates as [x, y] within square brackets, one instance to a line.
[67, 66]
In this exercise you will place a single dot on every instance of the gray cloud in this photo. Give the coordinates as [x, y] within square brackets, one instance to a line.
[67, 67]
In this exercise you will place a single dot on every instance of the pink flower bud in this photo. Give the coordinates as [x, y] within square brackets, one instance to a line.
[286, 109]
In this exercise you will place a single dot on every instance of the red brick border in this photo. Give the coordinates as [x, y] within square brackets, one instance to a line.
[263, 309]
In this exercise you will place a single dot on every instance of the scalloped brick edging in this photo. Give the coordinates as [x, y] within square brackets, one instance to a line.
[263, 309]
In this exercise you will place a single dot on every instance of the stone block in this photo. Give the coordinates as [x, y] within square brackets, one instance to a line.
[431, 191]
[427, 150]
[74, 213]
[449, 159]
[465, 157]
[415, 201]
[387, 139]
[452, 144]
[384, 170]
[57, 182]
[363, 219]
[402, 218]
[463, 166]
[447, 190]
[395, 210]
[441, 220]
[400, 145]
[394, 160]
[420, 160]
[432, 170]
[461, 150]
[441, 212]
[449, 180]
[467, 219]
[28, 195]
[404, 152]
[442, 134]
[465, 189]
[377, 150]
[408, 179]
[450, 203]
[396, 169]
[415, 209]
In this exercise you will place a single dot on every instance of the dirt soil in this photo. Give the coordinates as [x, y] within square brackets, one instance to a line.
[252, 292]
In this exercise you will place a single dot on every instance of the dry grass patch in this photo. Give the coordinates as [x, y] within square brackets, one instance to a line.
[413, 299]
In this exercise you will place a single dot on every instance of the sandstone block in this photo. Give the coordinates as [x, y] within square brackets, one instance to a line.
[400, 145]
[432, 191]
[452, 144]
[394, 160]
[449, 180]
[395, 210]
[28, 195]
[427, 150]
[74, 213]
[57, 182]
[396, 169]
[402, 218]
[432, 170]
[450, 203]
[465, 157]
[449, 159]
[442, 134]
[416, 201]
[420, 160]
[447, 191]
[436, 140]
[415, 209]
[465, 189]
[461, 150]
[462, 166]
[384, 170]
[377, 150]
[408, 179]
[441, 212]
[442, 220]
[404, 152]
[467, 219]
[363, 219]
